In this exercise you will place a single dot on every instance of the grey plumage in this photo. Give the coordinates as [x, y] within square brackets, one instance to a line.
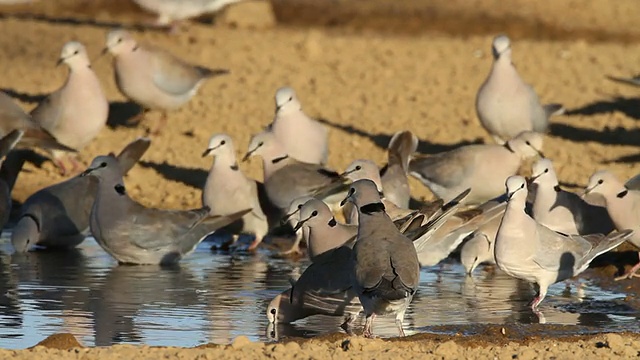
[286, 179]
[11, 166]
[394, 175]
[483, 168]
[506, 105]
[170, 11]
[134, 234]
[532, 252]
[58, 215]
[386, 271]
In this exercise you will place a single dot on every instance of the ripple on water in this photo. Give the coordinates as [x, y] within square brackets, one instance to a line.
[214, 297]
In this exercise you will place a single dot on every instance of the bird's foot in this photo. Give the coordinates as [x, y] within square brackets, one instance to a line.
[628, 275]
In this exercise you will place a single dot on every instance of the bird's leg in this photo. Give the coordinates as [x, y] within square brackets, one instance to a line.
[60, 165]
[254, 244]
[400, 329]
[295, 248]
[368, 323]
[538, 299]
[631, 273]
[347, 325]
[136, 119]
[161, 124]
[75, 165]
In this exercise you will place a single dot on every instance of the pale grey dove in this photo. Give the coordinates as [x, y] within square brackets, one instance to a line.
[506, 105]
[623, 206]
[564, 211]
[386, 272]
[324, 232]
[58, 215]
[479, 248]
[289, 217]
[152, 77]
[12, 117]
[479, 167]
[286, 179]
[134, 234]
[394, 175]
[76, 112]
[532, 252]
[302, 137]
[228, 190]
[171, 11]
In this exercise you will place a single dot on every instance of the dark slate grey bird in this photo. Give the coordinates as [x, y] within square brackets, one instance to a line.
[135, 234]
[58, 216]
[386, 271]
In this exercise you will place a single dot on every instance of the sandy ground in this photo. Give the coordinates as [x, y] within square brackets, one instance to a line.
[420, 71]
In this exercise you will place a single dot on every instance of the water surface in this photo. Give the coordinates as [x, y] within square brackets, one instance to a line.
[216, 296]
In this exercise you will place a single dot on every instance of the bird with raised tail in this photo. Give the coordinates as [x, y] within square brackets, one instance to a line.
[12, 117]
[564, 211]
[171, 11]
[152, 77]
[386, 271]
[394, 175]
[479, 167]
[302, 137]
[76, 112]
[227, 190]
[134, 234]
[286, 179]
[506, 105]
[57, 217]
[532, 252]
[622, 204]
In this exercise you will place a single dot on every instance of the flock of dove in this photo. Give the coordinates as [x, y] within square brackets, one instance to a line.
[531, 229]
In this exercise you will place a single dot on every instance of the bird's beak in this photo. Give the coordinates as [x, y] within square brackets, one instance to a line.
[540, 153]
[347, 172]
[248, 155]
[288, 216]
[206, 152]
[59, 62]
[104, 51]
[299, 224]
[588, 190]
[533, 178]
[344, 201]
[86, 172]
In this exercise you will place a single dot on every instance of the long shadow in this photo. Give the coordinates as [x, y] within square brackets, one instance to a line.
[619, 259]
[381, 140]
[607, 136]
[79, 21]
[24, 97]
[195, 178]
[628, 159]
[120, 113]
[626, 105]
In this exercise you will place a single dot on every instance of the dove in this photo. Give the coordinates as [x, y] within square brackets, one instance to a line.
[11, 166]
[479, 167]
[506, 105]
[286, 179]
[58, 216]
[134, 234]
[76, 112]
[171, 11]
[227, 190]
[561, 210]
[152, 77]
[386, 271]
[289, 217]
[302, 137]
[325, 233]
[529, 251]
[325, 287]
[623, 207]
[12, 117]
[394, 175]
[479, 246]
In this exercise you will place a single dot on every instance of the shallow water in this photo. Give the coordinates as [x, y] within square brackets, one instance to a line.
[214, 297]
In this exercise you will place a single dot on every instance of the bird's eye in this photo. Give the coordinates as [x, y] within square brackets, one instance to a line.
[600, 181]
[528, 143]
[352, 191]
[299, 206]
[546, 171]
[314, 213]
[290, 98]
[222, 142]
[104, 164]
[119, 40]
[358, 167]
[522, 186]
[273, 311]
[75, 52]
[260, 143]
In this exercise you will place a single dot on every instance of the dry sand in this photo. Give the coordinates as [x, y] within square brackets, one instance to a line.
[419, 71]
